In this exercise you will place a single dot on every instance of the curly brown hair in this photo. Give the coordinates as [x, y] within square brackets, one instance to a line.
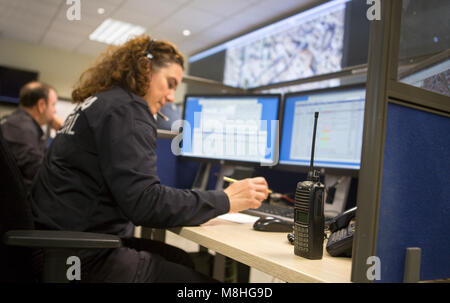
[128, 66]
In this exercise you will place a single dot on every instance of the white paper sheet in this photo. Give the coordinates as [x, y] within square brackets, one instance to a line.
[239, 218]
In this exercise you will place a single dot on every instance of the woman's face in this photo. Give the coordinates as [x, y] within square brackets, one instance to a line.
[163, 83]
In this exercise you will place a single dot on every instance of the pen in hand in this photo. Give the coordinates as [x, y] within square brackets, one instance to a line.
[164, 117]
[231, 180]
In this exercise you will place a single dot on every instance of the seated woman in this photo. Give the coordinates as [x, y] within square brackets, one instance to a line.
[99, 174]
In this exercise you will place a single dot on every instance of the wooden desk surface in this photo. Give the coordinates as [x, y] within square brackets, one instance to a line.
[266, 251]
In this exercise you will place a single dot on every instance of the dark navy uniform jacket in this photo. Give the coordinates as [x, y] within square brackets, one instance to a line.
[99, 174]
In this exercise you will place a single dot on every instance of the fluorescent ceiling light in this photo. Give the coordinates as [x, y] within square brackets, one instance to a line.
[115, 32]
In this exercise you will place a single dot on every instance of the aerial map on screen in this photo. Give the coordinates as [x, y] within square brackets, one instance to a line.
[301, 46]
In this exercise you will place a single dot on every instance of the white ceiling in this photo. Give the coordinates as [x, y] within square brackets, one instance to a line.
[210, 21]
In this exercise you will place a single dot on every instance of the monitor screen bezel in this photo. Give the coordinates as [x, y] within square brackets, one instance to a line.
[303, 168]
[237, 162]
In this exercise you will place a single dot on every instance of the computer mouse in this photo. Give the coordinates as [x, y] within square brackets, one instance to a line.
[272, 224]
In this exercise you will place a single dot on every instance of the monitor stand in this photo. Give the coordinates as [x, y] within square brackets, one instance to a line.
[336, 194]
[235, 172]
[202, 176]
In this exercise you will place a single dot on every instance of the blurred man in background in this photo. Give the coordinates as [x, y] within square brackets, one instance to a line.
[22, 129]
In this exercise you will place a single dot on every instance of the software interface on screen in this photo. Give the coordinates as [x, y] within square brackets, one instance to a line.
[339, 128]
[236, 128]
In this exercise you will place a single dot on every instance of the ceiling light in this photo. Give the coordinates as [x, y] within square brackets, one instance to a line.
[115, 32]
[186, 32]
[101, 11]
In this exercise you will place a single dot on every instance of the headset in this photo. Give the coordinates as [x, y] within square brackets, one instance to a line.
[149, 55]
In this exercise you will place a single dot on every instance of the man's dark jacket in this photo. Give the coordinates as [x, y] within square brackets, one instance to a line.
[26, 141]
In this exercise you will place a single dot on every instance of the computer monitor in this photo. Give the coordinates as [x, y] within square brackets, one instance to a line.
[12, 80]
[232, 128]
[339, 128]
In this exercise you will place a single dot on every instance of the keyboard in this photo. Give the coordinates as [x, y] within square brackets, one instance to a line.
[283, 212]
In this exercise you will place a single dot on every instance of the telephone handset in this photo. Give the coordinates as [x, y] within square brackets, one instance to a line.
[342, 228]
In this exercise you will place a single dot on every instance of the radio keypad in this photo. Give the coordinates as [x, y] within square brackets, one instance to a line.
[301, 236]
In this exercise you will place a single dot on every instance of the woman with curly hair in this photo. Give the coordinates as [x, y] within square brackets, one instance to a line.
[99, 174]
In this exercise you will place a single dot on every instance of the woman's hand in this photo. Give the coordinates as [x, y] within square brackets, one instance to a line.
[247, 193]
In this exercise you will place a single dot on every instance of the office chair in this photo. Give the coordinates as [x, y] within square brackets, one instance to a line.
[20, 241]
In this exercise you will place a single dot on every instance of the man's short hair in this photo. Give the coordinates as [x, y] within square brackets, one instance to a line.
[31, 92]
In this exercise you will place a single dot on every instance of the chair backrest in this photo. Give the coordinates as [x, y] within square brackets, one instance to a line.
[15, 213]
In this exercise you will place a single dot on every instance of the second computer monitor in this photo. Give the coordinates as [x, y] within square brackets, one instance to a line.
[242, 128]
[339, 127]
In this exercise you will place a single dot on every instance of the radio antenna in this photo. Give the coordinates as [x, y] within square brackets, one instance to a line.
[311, 168]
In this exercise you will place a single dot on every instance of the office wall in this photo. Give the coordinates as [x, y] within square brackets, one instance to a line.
[58, 68]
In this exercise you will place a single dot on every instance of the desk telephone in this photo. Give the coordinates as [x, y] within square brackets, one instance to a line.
[342, 228]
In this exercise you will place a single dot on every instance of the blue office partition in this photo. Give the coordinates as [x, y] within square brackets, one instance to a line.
[415, 193]
[176, 172]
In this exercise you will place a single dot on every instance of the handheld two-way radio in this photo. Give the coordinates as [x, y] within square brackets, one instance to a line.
[309, 220]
